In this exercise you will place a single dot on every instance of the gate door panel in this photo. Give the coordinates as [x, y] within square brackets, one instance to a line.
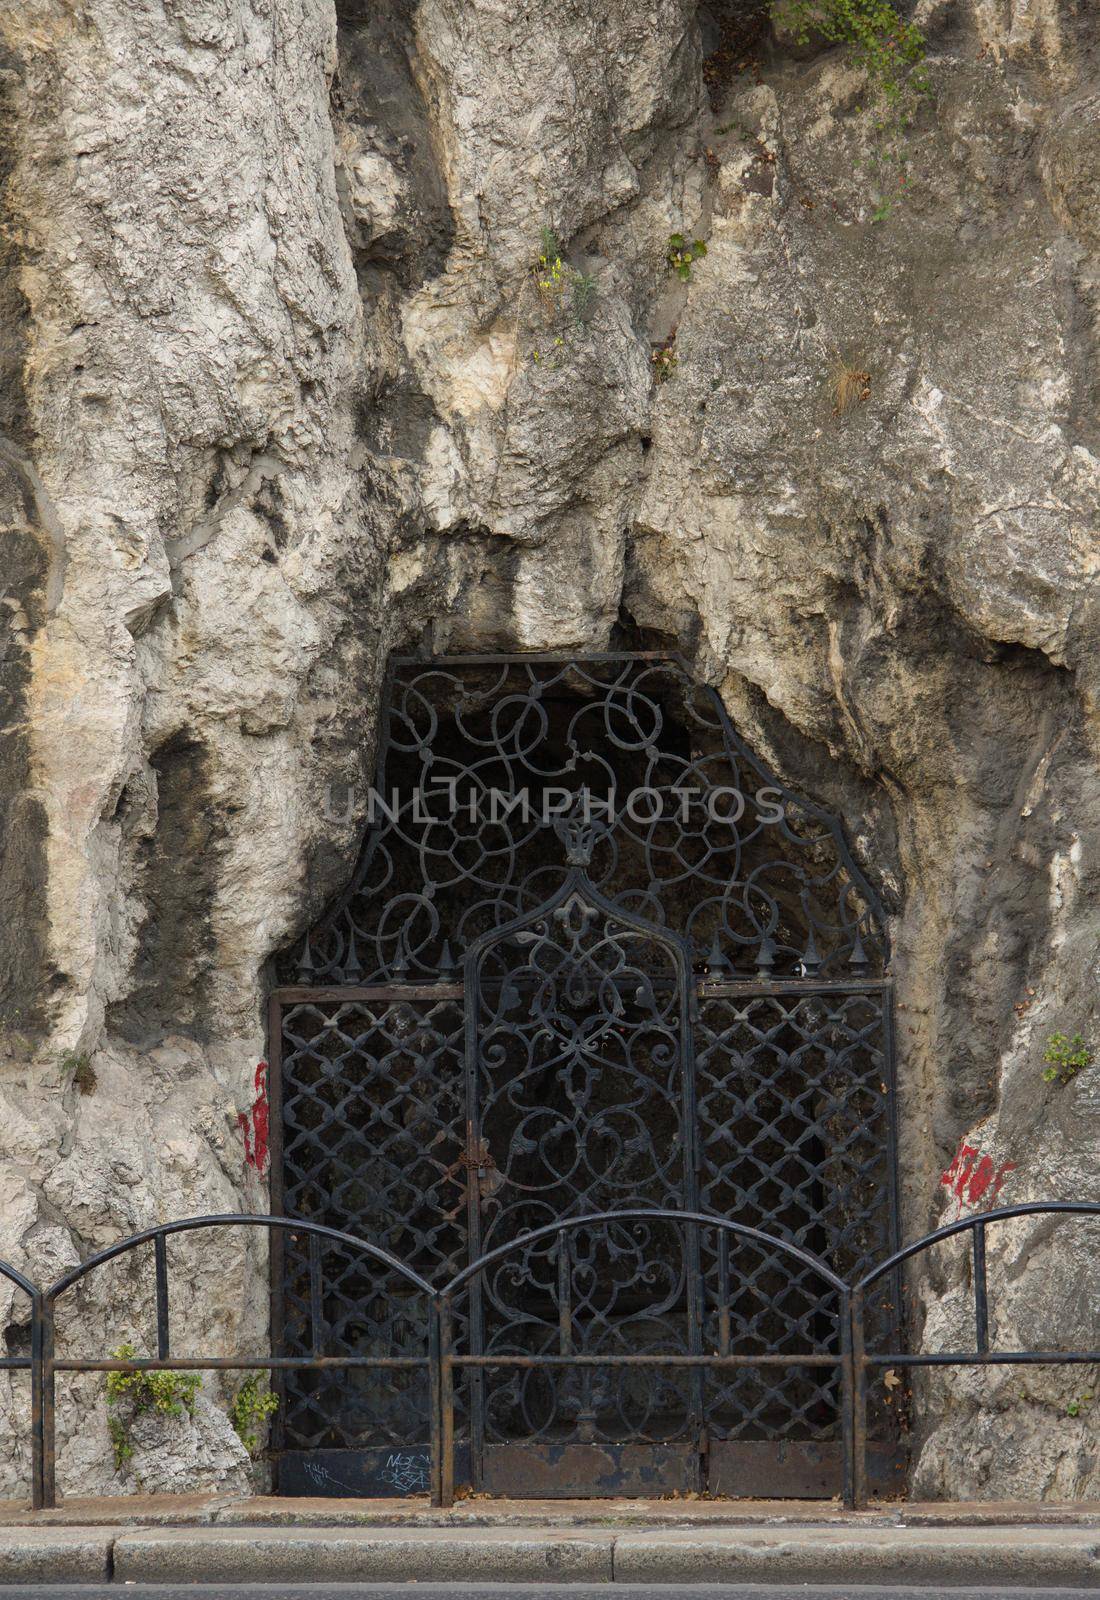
[373, 1141]
[579, 1046]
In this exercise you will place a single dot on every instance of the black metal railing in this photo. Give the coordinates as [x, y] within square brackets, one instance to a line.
[852, 1361]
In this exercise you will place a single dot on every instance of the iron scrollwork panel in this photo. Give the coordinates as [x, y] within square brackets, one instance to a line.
[479, 756]
[580, 1070]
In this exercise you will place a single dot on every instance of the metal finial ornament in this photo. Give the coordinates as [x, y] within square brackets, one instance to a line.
[305, 962]
[352, 968]
[717, 962]
[579, 838]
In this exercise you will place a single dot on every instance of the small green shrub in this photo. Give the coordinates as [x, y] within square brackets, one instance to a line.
[888, 48]
[584, 294]
[1065, 1057]
[169, 1394]
[891, 51]
[682, 254]
[1075, 1407]
[250, 1409]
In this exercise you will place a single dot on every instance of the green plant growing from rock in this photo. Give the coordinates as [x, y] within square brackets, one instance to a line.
[1079, 1404]
[562, 288]
[1065, 1058]
[169, 1394]
[889, 49]
[682, 254]
[583, 295]
[250, 1409]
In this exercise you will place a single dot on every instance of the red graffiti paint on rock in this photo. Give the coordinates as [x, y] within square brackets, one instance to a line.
[254, 1124]
[972, 1176]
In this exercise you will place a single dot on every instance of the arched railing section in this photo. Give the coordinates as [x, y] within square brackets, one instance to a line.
[44, 1491]
[981, 1355]
[442, 1360]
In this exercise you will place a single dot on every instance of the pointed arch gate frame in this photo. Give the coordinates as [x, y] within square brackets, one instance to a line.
[441, 1361]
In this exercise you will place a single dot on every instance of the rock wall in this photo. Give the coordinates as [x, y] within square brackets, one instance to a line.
[280, 392]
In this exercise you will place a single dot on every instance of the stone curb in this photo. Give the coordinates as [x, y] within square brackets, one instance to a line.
[363, 1555]
[949, 1556]
[56, 1555]
[1029, 1556]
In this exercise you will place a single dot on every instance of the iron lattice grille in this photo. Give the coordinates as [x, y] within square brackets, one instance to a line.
[374, 1117]
[795, 1103]
[475, 757]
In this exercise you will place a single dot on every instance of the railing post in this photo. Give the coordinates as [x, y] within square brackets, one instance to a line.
[37, 1475]
[859, 1400]
[446, 1406]
[981, 1303]
[48, 1413]
[565, 1310]
[160, 1255]
[847, 1403]
[316, 1297]
[435, 1402]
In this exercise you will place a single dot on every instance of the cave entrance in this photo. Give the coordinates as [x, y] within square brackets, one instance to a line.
[595, 958]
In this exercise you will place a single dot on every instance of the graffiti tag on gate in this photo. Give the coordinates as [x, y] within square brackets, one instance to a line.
[406, 1472]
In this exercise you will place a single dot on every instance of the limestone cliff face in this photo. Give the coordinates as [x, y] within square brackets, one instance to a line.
[280, 394]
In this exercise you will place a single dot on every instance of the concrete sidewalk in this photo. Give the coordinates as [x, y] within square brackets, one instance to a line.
[206, 1539]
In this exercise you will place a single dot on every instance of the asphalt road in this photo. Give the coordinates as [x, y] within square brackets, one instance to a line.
[518, 1591]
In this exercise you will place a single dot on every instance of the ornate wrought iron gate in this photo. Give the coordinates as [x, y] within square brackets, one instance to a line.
[595, 957]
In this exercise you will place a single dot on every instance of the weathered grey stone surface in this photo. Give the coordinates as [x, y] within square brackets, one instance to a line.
[56, 1555]
[952, 1556]
[363, 1555]
[270, 407]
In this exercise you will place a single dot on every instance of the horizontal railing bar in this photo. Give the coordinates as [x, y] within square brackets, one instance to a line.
[16, 1363]
[297, 993]
[233, 1363]
[708, 989]
[748, 988]
[992, 1358]
[646, 1361]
